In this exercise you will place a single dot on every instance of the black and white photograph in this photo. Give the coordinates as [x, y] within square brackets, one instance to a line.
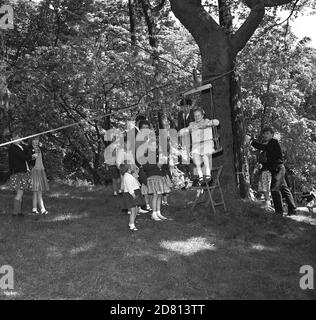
[157, 155]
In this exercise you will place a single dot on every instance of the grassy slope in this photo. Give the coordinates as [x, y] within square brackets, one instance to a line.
[83, 250]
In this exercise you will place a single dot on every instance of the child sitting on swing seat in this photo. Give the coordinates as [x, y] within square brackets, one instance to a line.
[202, 142]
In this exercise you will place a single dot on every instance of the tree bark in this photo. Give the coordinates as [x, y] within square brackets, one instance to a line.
[153, 41]
[132, 21]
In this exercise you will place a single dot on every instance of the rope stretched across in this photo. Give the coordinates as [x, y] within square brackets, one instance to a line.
[68, 126]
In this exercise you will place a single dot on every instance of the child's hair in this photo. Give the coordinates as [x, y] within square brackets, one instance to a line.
[140, 118]
[124, 167]
[267, 129]
[198, 109]
[185, 101]
[143, 122]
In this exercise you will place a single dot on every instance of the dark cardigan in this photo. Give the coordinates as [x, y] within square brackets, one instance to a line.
[273, 150]
[18, 158]
[153, 170]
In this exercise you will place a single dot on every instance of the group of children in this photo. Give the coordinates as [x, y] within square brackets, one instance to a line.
[145, 186]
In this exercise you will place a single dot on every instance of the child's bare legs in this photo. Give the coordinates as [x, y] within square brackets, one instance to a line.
[159, 199]
[146, 196]
[19, 195]
[266, 196]
[155, 201]
[34, 210]
[116, 183]
[197, 162]
[132, 218]
[121, 184]
[40, 201]
[17, 202]
[208, 164]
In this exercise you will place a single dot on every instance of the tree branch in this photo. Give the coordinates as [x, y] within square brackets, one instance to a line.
[193, 16]
[267, 3]
[275, 3]
[247, 29]
[132, 21]
[159, 6]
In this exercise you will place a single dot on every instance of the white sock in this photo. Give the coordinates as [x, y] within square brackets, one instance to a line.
[34, 209]
[132, 226]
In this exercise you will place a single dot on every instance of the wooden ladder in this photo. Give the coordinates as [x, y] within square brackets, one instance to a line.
[210, 189]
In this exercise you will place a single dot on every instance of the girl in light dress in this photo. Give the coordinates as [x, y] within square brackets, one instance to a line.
[110, 155]
[202, 142]
[39, 179]
[132, 196]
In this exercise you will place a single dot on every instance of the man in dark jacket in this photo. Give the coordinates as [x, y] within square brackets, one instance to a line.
[185, 115]
[276, 166]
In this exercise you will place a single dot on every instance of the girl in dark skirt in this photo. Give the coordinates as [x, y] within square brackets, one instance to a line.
[20, 178]
[132, 196]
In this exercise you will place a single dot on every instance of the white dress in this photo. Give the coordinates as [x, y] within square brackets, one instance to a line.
[202, 138]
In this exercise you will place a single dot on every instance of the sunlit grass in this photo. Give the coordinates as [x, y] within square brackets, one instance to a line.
[53, 252]
[85, 247]
[11, 294]
[68, 217]
[305, 219]
[261, 247]
[189, 246]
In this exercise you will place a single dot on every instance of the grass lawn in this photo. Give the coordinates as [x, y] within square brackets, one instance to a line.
[84, 250]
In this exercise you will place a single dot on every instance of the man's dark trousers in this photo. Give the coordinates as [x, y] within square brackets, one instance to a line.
[280, 188]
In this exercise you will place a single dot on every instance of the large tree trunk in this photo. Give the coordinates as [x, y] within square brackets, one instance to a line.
[218, 61]
[218, 52]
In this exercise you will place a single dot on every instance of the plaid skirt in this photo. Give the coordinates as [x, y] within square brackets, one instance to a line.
[158, 185]
[39, 180]
[168, 181]
[129, 202]
[264, 181]
[20, 181]
[144, 189]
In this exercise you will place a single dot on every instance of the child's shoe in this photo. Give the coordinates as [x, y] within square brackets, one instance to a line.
[35, 212]
[155, 217]
[142, 210]
[160, 216]
[133, 228]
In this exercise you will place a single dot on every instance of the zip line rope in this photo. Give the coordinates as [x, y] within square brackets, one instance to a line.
[70, 125]
[134, 106]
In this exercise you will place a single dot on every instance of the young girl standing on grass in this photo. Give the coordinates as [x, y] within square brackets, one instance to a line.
[157, 186]
[132, 195]
[39, 179]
